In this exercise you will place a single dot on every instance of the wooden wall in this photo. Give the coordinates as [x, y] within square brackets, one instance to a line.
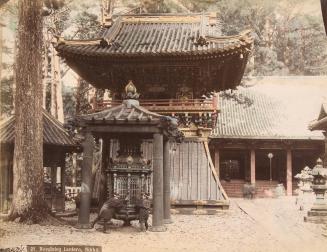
[193, 177]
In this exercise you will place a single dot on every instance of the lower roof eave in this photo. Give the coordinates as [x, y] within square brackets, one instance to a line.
[295, 138]
[178, 56]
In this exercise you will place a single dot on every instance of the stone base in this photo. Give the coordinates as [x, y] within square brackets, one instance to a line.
[158, 229]
[167, 221]
[83, 226]
[319, 207]
[316, 216]
[317, 213]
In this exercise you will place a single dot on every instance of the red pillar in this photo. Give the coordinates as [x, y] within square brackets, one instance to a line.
[252, 166]
[289, 172]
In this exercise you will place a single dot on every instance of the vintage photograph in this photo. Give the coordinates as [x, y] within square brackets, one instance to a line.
[163, 125]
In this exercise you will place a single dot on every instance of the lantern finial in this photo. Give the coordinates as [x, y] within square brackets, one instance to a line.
[130, 91]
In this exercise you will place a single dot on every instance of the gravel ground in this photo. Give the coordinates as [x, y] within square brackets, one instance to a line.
[249, 225]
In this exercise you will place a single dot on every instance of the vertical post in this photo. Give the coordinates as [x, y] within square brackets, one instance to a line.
[289, 172]
[53, 187]
[157, 216]
[246, 167]
[63, 180]
[252, 166]
[74, 169]
[217, 161]
[4, 177]
[166, 184]
[84, 211]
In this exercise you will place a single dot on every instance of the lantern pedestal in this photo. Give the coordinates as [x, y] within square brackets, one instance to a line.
[318, 212]
[305, 192]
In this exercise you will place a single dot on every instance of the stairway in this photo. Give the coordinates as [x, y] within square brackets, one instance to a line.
[265, 185]
[234, 188]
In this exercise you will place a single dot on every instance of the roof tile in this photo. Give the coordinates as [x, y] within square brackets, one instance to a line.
[53, 132]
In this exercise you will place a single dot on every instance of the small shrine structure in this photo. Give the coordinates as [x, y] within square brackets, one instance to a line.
[56, 143]
[128, 172]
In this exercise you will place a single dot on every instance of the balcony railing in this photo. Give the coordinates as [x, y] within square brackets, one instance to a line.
[168, 106]
[198, 112]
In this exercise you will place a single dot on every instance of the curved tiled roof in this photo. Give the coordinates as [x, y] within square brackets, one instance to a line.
[53, 132]
[143, 48]
[269, 111]
[128, 111]
[140, 35]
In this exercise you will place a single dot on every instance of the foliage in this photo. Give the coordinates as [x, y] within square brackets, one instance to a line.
[287, 39]
[86, 25]
[3, 2]
[6, 94]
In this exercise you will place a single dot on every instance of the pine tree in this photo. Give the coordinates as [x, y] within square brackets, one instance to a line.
[28, 196]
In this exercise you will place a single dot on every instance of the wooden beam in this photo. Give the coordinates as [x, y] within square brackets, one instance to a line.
[123, 129]
[206, 148]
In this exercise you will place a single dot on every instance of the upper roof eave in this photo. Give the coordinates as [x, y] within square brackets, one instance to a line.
[148, 31]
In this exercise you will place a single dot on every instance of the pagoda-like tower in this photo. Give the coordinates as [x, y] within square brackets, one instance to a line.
[178, 62]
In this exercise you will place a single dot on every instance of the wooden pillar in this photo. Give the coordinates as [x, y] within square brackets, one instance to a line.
[74, 169]
[217, 161]
[246, 164]
[103, 181]
[252, 158]
[63, 180]
[4, 177]
[53, 186]
[289, 172]
[157, 215]
[85, 195]
[166, 184]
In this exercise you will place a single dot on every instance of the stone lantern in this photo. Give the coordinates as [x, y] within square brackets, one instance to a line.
[304, 179]
[318, 212]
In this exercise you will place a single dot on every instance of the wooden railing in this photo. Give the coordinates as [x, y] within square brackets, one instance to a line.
[168, 106]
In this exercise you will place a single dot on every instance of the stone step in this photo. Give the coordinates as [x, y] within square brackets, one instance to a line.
[317, 213]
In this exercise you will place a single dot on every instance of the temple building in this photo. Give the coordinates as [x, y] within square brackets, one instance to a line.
[178, 63]
[262, 135]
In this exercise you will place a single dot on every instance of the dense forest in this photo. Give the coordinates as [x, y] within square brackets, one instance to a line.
[289, 39]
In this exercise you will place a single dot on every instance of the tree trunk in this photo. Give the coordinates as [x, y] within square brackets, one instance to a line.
[56, 88]
[1, 45]
[28, 196]
[45, 67]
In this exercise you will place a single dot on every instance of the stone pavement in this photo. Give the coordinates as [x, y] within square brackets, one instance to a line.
[284, 221]
[267, 225]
